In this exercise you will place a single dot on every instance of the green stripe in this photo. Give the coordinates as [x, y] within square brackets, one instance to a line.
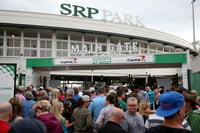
[41, 62]
[171, 58]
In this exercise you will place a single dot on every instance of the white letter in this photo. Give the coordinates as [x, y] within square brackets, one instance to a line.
[111, 47]
[134, 44]
[138, 21]
[116, 16]
[106, 14]
[128, 19]
[119, 46]
[98, 47]
[75, 48]
[127, 44]
[84, 50]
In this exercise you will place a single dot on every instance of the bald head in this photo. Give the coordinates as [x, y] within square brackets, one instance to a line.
[117, 115]
[5, 111]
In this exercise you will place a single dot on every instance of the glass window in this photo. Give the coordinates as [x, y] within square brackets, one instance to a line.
[1, 51]
[65, 53]
[28, 32]
[9, 52]
[1, 31]
[42, 44]
[27, 52]
[42, 53]
[48, 53]
[10, 42]
[89, 38]
[102, 39]
[16, 52]
[17, 43]
[65, 45]
[166, 50]
[58, 53]
[30, 47]
[76, 36]
[59, 45]
[33, 53]
[1, 42]
[13, 32]
[46, 34]
[27, 43]
[48, 44]
[46, 48]
[1, 46]
[34, 43]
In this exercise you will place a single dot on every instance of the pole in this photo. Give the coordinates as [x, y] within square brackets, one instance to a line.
[92, 78]
[20, 69]
[193, 23]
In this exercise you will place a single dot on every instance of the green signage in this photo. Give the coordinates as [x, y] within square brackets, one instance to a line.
[74, 10]
[102, 60]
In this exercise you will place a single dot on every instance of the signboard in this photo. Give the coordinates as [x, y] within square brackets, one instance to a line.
[105, 60]
[90, 12]
[7, 84]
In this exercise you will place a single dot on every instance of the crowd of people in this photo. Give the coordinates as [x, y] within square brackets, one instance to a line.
[101, 110]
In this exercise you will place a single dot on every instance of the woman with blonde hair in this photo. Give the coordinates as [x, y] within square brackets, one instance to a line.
[16, 110]
[42, 109]
[145, 110]
[57, 109]
[54, 95]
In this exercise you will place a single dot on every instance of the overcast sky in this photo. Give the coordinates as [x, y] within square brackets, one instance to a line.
[170, 16]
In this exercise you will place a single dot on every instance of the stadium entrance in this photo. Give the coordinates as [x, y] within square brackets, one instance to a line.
[131, 70]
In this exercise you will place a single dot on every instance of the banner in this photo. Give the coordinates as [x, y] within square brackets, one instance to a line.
[7, 81]
[105, 60]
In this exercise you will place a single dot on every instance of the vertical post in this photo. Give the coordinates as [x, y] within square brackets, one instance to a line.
[69, 45]
[54, 43]
[193, 22]
[21, 56]
[188, 69]
[20, 70]
[146, 81]
[92, 80]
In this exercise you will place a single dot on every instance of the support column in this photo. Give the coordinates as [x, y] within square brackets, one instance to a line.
[186, 70]
[54, 44]
[96, 43]
[108, 45]
[82, 44]
[4, 43]
[22, 42]
[38, 44]
[69, 46]
[21, 56]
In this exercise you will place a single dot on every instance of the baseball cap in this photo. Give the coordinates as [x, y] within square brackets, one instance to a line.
[86, 98]
[170, 102]
[92, 89]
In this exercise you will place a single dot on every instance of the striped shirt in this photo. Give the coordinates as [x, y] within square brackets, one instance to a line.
[155, 120]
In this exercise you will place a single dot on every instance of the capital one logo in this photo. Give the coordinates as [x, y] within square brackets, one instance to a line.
[137, 59]
[69, 61]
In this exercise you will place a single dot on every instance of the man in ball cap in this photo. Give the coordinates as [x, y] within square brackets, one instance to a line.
[82, 117]
[192, 115]
[173, 110]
